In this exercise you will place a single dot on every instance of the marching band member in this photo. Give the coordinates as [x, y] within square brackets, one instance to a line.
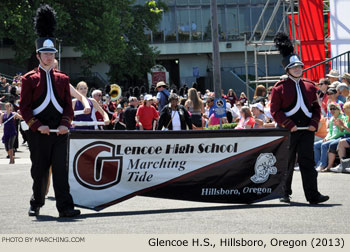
[294, 104]
[46, 104]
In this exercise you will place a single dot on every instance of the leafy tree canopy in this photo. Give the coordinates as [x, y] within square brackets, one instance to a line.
[111, 31]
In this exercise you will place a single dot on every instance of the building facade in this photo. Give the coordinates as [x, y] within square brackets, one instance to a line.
[184, 39]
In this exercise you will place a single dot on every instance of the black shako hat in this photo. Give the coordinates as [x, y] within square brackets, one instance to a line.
[45, 26]
[285, 46]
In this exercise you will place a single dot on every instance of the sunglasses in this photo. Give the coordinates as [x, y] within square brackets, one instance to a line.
[333, 108]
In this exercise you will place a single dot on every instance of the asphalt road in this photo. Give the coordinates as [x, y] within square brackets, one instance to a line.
[142, 215]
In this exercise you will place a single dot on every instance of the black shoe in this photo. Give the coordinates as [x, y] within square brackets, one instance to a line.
[321, 198]
[285, 199]
[33, 211]
[70, 213]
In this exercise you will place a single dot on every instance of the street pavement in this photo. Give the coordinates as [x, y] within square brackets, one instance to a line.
[142, 215]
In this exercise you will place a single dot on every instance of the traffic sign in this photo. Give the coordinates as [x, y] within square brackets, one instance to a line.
[220, 107]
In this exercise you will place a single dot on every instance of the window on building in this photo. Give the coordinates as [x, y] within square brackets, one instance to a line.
[232, 23]
[168, 2]
[244, 1]
[169, 25]
[258, 1]
[232, 1]
[181, 2]
[183, 24]
[206, 24]
[196, 24]
[244, 22]
[158, 33]
[256, 12]
[279, 19]
[221, 23]
[194, 2]
[206, 18]
[273, 29]
[205, 2]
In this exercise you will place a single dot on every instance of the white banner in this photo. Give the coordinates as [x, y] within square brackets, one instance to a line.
[107, 169]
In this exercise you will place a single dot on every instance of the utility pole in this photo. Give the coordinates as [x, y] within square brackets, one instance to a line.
[59, 53]
[216, 52]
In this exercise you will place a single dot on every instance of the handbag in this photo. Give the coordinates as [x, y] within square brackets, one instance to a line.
[167, 127]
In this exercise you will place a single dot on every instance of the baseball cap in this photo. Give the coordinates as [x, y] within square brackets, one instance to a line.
[258, 105]
[148, 97]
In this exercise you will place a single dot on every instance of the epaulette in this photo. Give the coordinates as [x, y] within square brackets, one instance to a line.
[58, 71]
[279, 83]
[29, 73]
[309, 81]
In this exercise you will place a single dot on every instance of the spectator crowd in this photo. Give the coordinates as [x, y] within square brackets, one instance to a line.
[165, 108]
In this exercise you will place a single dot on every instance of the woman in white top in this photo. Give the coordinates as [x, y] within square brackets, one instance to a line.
[174, 116]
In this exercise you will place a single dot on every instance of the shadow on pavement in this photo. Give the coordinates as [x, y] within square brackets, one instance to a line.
[44, 218]
[198, 209]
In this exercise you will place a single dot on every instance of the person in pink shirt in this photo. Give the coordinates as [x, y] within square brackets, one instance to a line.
[247, 121]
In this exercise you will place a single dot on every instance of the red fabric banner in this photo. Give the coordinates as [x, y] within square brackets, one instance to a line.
[311, 36]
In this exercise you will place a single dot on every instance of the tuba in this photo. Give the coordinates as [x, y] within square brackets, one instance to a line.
[115, 92]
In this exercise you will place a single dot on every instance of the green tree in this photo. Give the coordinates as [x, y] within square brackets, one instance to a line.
[110, 31]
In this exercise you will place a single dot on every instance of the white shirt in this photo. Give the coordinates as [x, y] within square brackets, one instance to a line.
[176, 120]
[300, 102]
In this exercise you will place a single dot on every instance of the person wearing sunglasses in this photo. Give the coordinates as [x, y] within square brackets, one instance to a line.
[322, 96]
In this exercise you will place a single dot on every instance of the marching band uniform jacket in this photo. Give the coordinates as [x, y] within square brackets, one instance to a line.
[45, 99]
[295, 104]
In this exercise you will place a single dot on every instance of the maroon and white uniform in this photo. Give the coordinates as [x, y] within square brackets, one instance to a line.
[294, 103]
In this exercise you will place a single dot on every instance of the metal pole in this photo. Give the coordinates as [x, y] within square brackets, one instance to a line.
[59, 54]
[216, 52]
[246, 64]
[266, 70]
[293, 21]
[256, 62]
[299, 32]
[284, 17]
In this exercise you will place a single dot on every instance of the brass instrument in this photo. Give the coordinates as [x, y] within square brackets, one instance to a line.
[115, 92]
